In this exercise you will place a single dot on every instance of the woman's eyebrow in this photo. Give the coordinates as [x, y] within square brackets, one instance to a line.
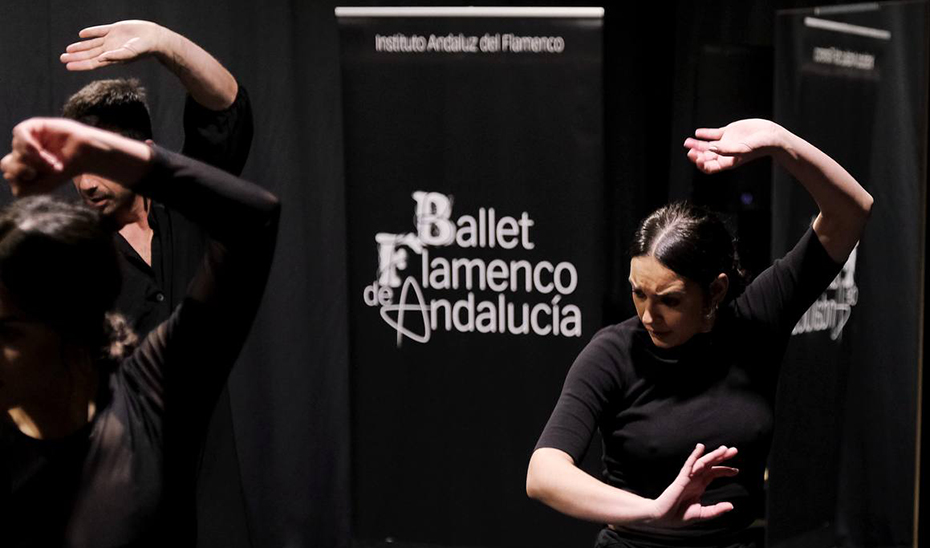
[668, 292]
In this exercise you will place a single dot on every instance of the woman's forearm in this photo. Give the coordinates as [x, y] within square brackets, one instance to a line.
[553, 479]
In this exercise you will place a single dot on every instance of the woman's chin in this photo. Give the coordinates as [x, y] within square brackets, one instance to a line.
[662, 340]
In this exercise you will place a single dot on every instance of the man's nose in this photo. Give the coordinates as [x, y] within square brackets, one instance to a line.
[87, 185]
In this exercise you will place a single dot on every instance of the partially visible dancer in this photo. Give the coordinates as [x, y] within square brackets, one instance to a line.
[95, 440]
[159, 247]
[677, 389]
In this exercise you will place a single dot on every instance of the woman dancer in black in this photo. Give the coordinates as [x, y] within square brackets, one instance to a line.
[698, 365]
[98, 442]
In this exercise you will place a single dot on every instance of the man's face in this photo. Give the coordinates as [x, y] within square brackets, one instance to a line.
[112, 200]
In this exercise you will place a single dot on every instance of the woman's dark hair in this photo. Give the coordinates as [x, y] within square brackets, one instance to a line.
[692, 242]
[58, 265]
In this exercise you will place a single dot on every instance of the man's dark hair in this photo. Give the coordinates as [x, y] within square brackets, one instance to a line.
[692, 242]
[114, 105]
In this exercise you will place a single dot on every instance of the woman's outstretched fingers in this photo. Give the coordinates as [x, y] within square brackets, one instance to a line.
[699, 144]
[715, 457]
[723, 472]
[708, 512]
[688, 468]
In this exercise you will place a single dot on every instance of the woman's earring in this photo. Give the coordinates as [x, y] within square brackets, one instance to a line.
[711, 313]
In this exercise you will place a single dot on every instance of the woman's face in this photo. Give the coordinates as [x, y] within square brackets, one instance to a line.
[672, 308]
[30, 358]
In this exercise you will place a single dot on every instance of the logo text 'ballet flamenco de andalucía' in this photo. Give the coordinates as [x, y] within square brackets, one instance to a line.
[515, 296]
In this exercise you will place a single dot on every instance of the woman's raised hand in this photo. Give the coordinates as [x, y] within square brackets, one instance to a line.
[681, 501]
[47, 152]
[718, 149]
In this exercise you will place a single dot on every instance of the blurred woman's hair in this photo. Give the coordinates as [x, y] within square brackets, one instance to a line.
[59, 266]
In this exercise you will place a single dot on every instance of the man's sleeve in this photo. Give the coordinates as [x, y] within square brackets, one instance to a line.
[220, 138]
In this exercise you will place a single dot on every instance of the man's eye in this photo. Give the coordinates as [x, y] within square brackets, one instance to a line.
[639, 294]
[671, 301]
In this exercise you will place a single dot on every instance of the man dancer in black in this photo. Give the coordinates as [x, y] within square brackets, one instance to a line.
[160, 249]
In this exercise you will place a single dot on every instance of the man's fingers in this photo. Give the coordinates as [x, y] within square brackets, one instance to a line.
[81, 55]
[117, 55]
[93, 32]
[84, 45]
[77, 66]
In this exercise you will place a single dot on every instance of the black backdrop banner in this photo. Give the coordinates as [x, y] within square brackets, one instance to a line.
[853, 81]
[475, 211]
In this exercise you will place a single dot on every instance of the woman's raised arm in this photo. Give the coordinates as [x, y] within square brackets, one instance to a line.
[844, 204]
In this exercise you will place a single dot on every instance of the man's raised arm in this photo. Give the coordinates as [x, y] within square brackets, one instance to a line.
[208, 82]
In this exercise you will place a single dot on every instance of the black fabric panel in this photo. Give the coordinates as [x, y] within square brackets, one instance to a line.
[843, 461]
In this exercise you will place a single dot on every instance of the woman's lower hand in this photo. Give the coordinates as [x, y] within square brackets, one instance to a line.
[680, 503]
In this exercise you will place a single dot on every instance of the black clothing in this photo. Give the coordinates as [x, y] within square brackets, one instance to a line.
[653, 405]
[608, 538]
[126, 479]
[149, 293]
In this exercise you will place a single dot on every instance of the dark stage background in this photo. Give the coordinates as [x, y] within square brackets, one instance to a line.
[279, 475]
[848, 393]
